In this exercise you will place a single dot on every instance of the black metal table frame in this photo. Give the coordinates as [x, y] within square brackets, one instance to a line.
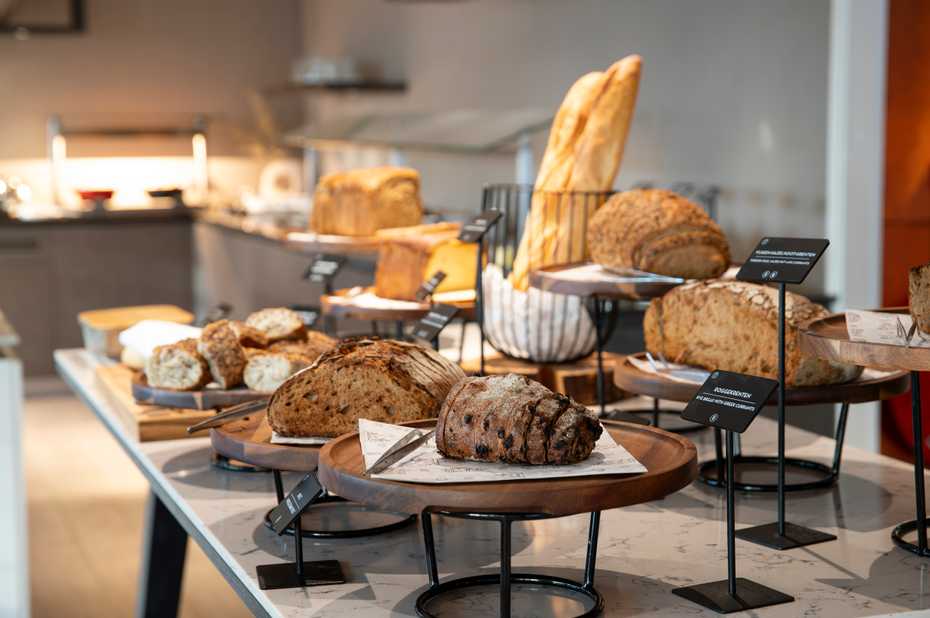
[919, 524]
[331, 534]
[830, 473]
[507, 578]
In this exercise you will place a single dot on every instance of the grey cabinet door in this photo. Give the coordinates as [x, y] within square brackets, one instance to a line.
[26, 296]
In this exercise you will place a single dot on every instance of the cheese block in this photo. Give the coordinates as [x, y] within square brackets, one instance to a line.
[361, 202]
[409, 256]
[919, 296]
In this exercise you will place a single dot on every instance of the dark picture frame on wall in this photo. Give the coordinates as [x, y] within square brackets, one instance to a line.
[25, 19]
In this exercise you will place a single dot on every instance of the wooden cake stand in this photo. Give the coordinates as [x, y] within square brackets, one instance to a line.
[828, 338]
[312, 243]
[205, 399]
[249, 440]
[869, 387]
[593, 281]
[671, 462]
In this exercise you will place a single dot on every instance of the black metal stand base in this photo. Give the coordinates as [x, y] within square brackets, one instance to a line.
[897, 535]
[709, 474]
[285, 575]
[716, 595]
[795, 536]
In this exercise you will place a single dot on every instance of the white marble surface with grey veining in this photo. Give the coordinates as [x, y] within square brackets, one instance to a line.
[644, 551]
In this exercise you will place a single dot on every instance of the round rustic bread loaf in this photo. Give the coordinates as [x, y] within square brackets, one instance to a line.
[513, 419]
[388, 381]
[660, 232]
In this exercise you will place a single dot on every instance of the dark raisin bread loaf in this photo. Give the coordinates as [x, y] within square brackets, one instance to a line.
[513, 419]
[388, 381]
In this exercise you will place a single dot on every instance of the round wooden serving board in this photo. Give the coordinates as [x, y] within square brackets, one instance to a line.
[865, 388]
[671, 462]
[249, 440]
[206, 399]
[829, 339]
[312, 243]
[351, 303]
[589, 279]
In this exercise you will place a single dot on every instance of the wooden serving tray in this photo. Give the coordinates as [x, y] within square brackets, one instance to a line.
[346, 303]
[633, 380]
[206, 399]
[249, 440]
[589, 279]
[671, 461]
[829, 339]
[150, 423]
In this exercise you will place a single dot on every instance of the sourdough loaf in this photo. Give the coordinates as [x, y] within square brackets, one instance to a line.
[219, 346]
[277, 324]
[388, 381]
[177, 366]
[919, 296]
[733, 326]
[407, 257]
[361, 202]
[660, 232]
[513, 419]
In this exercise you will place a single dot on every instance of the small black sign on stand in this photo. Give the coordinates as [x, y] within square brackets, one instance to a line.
[730, 401]
[782, 261]
[475, 231]
[428, 287]
[323, 269]
[299, 573]
[429, 327]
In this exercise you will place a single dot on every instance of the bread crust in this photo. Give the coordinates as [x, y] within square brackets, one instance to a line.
[177, 366]
[219, 346]
[732, 325]
[918, 288]
[315, 344]
[249, 337]
[361, 202]
[278, 324]
[388, 381]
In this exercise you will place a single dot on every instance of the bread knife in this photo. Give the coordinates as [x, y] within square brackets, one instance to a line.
[401, 449]
[230, 414]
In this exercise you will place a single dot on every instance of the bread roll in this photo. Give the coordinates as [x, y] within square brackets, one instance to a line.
[659, 232]
[919, 296]
[388, 381]
[249, 337]
[177, 366]
[315, 344]
[220, 347]
[733, 326]
[266, 371]
[277, 324]
[513, 419]
[361, 202]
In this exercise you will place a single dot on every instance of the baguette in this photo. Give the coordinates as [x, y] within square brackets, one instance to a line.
[266, 371]
[177, 366]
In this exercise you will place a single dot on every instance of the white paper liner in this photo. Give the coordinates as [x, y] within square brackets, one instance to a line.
[302, 441]
[427, 465]
[884, 328]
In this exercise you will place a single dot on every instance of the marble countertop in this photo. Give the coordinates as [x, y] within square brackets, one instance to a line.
[644, 552]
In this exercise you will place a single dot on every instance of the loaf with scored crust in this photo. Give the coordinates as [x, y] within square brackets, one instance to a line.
[733, 326]
[364, 377]
[919, 296]
[660, 232]
[361, 202]
[513, 419]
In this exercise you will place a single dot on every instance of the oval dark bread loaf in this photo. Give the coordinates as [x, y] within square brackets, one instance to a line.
[381, 380]
[513, 419]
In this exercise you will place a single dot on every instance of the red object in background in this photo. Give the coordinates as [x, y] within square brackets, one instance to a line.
[907, 189]
[96, 194]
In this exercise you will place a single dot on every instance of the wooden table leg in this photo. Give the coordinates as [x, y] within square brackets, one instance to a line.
[164, 550]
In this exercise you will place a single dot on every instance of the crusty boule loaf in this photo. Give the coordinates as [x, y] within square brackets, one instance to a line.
[315, 344]
[266, 371]
[733, 326]
[177, 366]
[513, 419]
[918, 292]
[388, 381]
[660, 232]
[219, 345]
[249, 337]
[278, 323]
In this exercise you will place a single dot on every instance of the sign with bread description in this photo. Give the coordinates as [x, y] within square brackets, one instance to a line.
[439, 316]
[428, 287]
[474, 230]
[782, 260]
[324, 268]
[729, 400]
[306, 491]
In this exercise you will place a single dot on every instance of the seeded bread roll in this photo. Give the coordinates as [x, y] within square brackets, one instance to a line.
[278, 324]
[316, 344]
[919, 296]
[177, 366]
[219, 345]
[660, 232]
[733, 326]
[249, 337]
[388, 381]
[266, 371]
[513, 419]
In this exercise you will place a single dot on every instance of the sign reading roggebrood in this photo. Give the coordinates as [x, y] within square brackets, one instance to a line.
[729, 400]
[782, 260]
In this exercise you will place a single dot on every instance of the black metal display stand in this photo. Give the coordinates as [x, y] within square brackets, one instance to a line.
[602, 326]
[919, 524]
[507, 578]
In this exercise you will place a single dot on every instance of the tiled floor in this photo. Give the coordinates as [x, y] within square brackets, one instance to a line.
[86, 502]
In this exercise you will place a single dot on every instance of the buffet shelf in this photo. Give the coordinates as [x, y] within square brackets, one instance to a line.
[645, 551]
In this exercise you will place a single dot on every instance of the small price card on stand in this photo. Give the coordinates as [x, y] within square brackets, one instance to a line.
[324, 268]
[474, 230]
[782, 260]
[729, 400]
[428, 287]
[306, 491]
[437, 319]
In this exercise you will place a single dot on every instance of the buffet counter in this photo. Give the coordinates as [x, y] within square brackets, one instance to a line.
[645, 551]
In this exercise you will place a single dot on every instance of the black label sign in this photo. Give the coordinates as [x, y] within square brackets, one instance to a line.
[474, 230]
[729, 400]
[308, 314]
[426, 290]
[283, 515]
[782, 260]
[437, 319]
[323, 268]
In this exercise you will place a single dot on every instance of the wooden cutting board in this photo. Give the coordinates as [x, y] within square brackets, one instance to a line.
[150, 423]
